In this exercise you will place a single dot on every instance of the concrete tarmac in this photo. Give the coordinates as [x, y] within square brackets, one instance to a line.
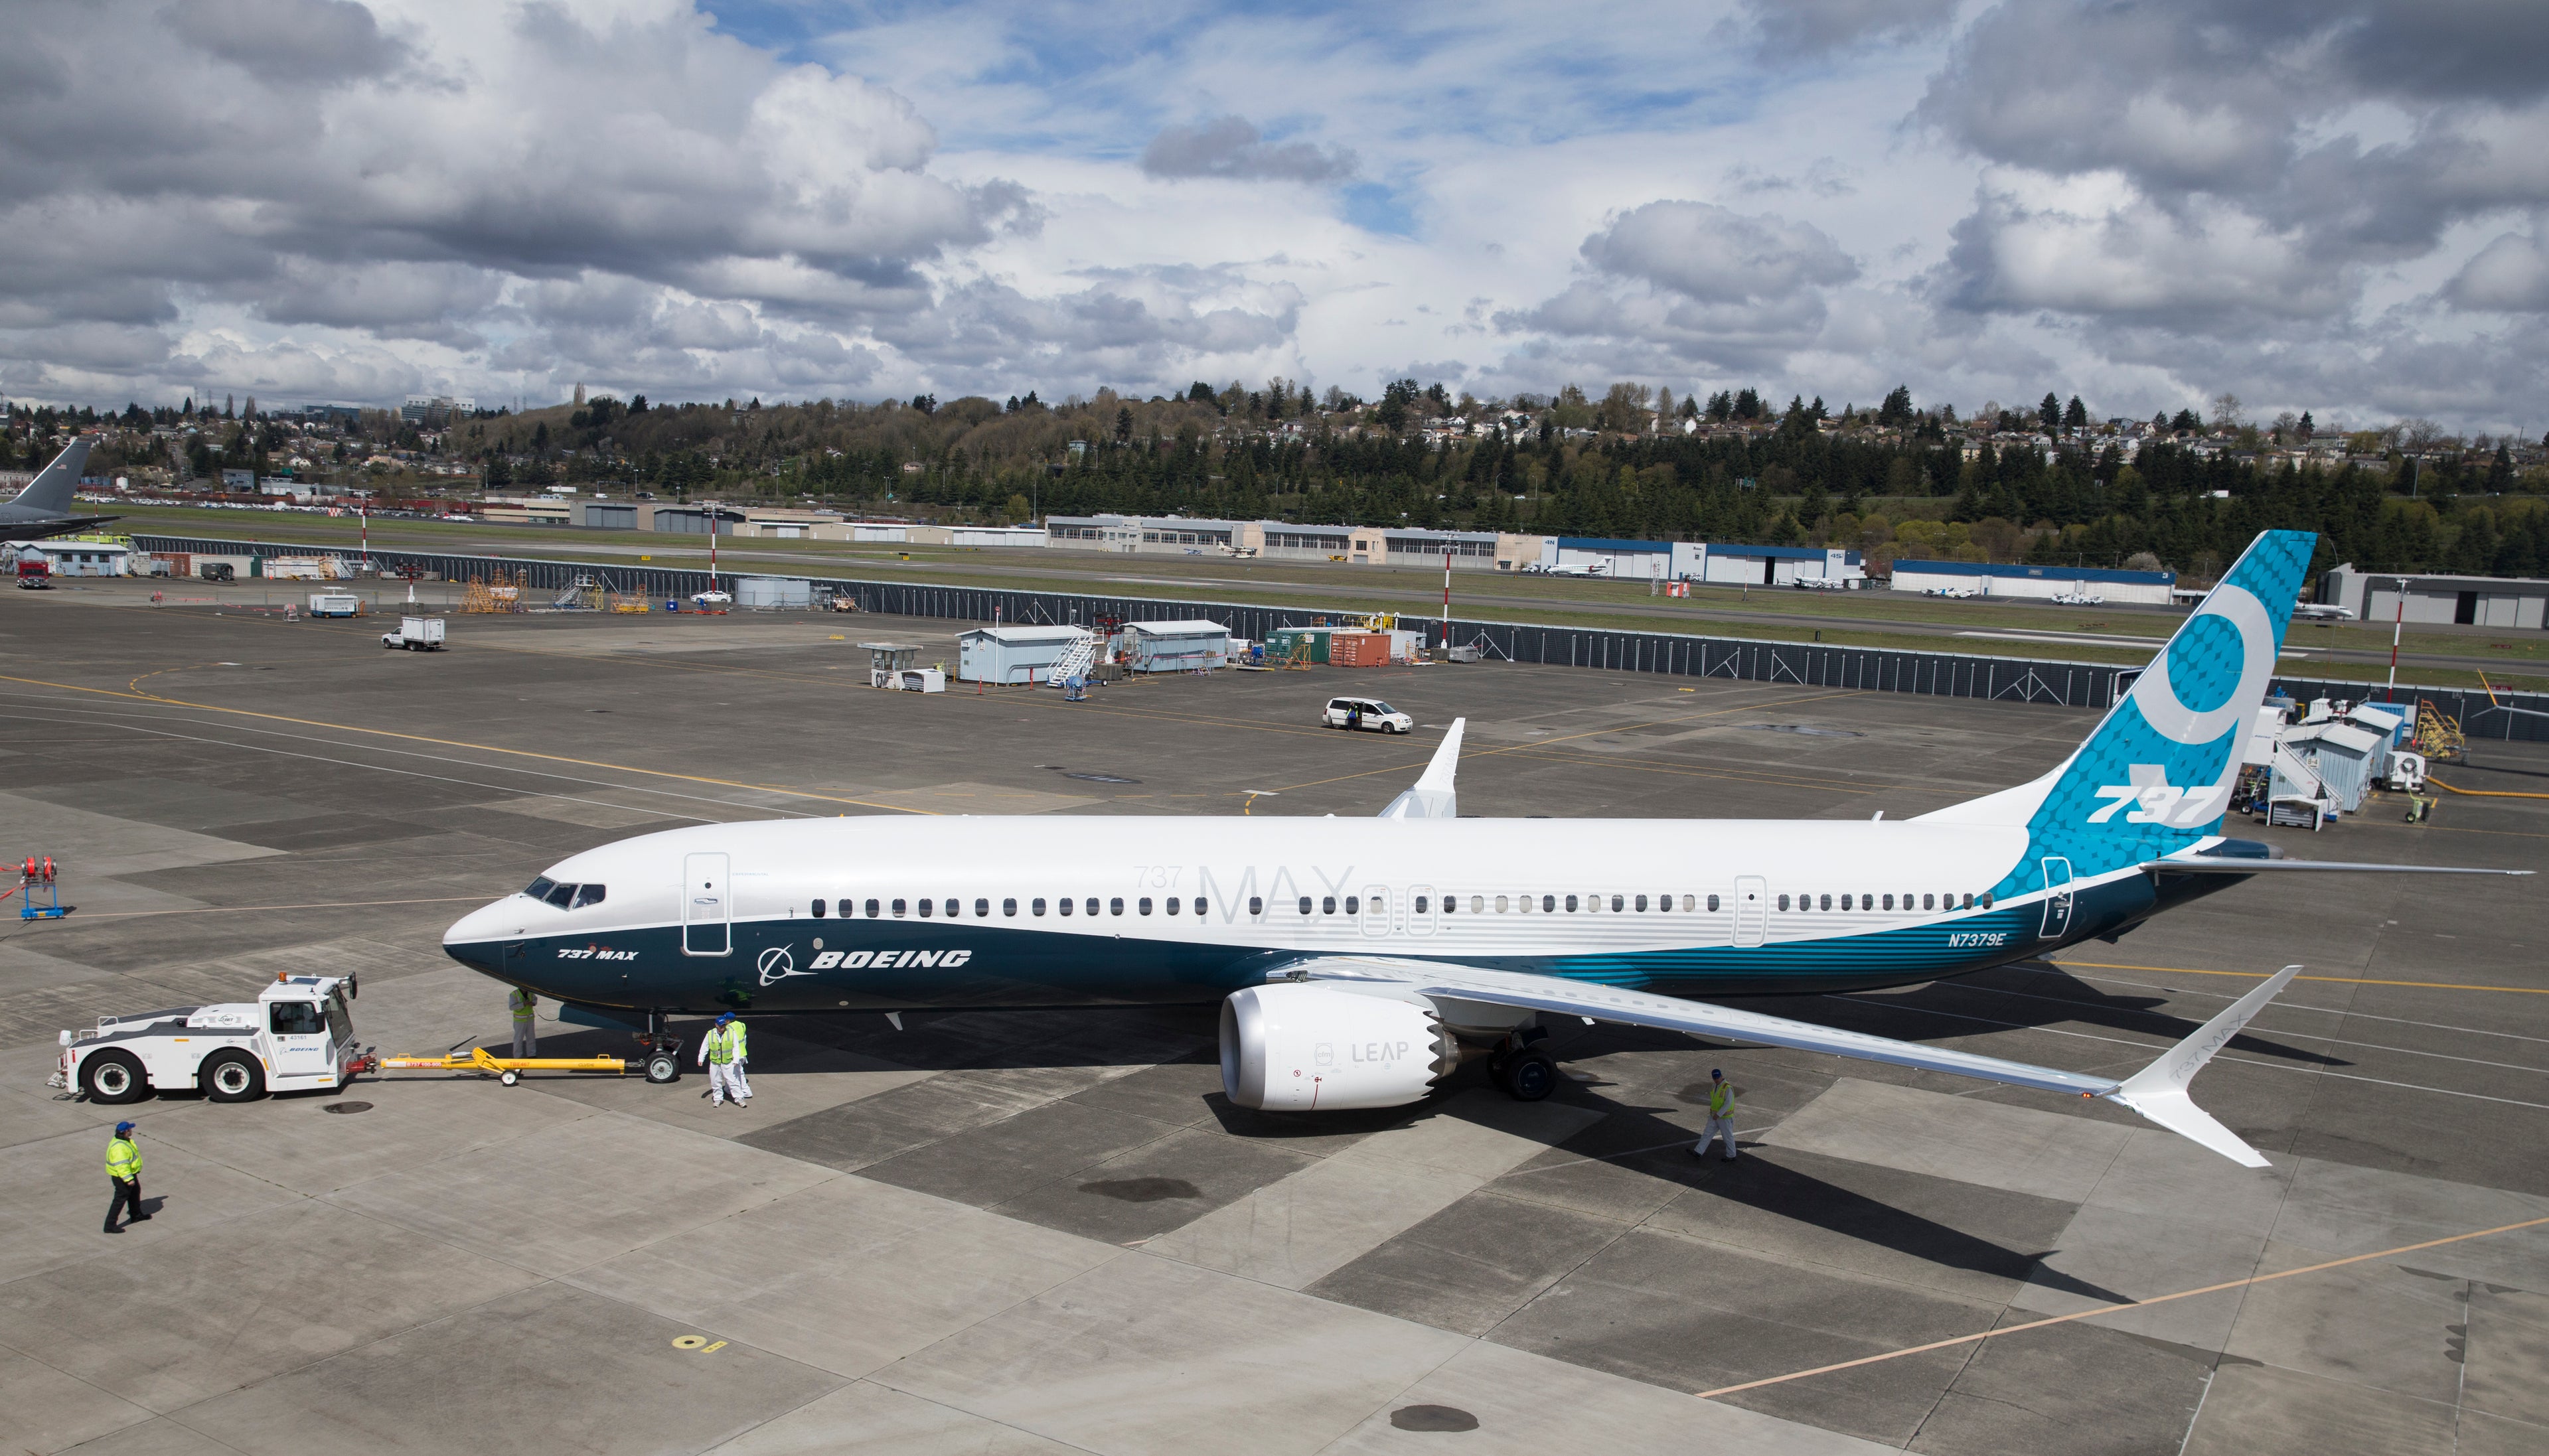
[1049, 1232]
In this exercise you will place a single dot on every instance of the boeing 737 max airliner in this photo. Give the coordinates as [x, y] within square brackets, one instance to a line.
[1360, 960]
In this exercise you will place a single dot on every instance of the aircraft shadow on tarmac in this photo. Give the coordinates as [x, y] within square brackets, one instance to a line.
[2047, 997]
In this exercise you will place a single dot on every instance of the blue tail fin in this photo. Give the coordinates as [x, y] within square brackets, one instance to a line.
[2157, 773]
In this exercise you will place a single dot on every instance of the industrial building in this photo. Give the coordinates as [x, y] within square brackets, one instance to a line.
[1015, 653]
[1188, 646]
[2472, 602]
[65, 557]
[2040, 583]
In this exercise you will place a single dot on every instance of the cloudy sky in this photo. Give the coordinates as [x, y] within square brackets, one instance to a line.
[2333, 204]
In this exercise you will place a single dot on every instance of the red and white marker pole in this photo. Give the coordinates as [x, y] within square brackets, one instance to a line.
[1447, 603]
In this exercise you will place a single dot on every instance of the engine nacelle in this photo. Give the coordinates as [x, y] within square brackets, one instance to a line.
[1304, 1047]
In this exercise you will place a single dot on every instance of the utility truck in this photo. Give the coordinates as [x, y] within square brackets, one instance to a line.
[34, 573]
[296, 1036]
[416, 634]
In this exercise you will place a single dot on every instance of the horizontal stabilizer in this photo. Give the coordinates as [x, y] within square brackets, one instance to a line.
[2159, 1090]
[2208, 864]
[1432, 797]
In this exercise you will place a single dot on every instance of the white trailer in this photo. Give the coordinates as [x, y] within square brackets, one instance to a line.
[335, 604]
[416, 634]
[296, 1036]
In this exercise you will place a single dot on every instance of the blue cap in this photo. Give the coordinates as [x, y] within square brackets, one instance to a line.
[123, 1127]
[727, 1017]
[1713, 1073]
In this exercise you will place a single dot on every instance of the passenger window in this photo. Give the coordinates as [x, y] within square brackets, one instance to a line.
[561, 895]
[1928, 902]
[1305, 904]
[818, 909]
[1011, 907]
[1845, 902]
[1115, 906]
[1827, 902]
[1712, 902]
[1327, 905]
[296, 1019]
[1066, 907]
[1500, 904]
[1889, 902]
[1479, 904]
[1354, 906]
[924, 908]
[982, 909]
[1143, 905]
[1199, 907]
[1986, 899]
[1570, 904]
[1420, 904]
[591, 894]
[1171, 905]
[1548, 904]
[1255, 906]
[1642, 902]
[1615, 903]
[872, 909]
[1036, 907]
[1091, 905]
[1783, 903]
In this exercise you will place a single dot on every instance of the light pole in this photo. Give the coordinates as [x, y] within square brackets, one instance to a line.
[2397, 624]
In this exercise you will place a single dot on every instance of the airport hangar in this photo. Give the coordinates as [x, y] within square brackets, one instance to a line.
[1035, 1232]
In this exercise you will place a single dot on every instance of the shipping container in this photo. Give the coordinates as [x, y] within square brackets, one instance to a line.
[1359, 649]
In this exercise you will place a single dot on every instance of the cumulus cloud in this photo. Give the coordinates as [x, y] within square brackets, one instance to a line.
[2256, 156]
[1230, 146]
[2510, 275]
[1692, 282]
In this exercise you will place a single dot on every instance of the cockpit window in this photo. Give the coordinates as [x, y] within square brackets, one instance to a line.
[590, 894]
[560, 895]
[539, 888]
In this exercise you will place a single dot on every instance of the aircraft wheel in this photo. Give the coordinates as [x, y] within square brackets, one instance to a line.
[663, 1067]
[1528, 1077]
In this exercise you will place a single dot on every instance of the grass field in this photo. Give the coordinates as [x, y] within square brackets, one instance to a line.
[2353, 652]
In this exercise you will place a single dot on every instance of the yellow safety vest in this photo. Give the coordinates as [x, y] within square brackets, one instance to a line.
[720, 1046]
[1720, 1100]
[123, 1161]
[735, 1037]
[522, 1002]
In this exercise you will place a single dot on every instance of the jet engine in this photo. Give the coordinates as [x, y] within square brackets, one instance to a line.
[1294, 1046]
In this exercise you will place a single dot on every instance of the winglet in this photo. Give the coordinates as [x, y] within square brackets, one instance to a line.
[1432, 797]
[2159, 1090]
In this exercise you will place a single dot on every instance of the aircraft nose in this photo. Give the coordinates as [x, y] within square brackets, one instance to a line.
[477, 938]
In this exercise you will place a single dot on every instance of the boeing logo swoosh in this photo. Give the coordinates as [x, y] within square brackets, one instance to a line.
[778, 965]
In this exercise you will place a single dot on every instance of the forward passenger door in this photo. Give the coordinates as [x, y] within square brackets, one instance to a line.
[1752, 910]
[708, 905]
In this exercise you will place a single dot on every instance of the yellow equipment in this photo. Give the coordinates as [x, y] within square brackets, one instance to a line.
[505, 1069]
[2438, 735]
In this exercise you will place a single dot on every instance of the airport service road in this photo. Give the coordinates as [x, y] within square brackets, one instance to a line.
[1037, 1233]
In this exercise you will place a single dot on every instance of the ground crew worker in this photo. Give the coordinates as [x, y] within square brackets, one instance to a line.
[1721, 1115]
[123, 1170]
[526, 1032]
[721, 1052]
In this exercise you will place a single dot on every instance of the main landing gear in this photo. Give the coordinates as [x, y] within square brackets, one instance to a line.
[1525, 1072]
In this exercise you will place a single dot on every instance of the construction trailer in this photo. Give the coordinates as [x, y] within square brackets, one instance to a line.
[1016, 653]
[1191, 646]
[1299, 643]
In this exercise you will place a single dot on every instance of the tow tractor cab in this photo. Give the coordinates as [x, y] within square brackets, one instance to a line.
[296, 1036]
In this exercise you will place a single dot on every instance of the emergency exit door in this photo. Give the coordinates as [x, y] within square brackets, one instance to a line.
[2058, 899]
[708, 908]
[1752, 910]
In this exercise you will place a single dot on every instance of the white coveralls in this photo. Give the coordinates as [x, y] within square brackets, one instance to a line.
[723, 1053]
[1721, 1120]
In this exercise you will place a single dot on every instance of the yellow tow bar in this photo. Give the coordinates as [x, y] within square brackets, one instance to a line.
[505, 1069]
